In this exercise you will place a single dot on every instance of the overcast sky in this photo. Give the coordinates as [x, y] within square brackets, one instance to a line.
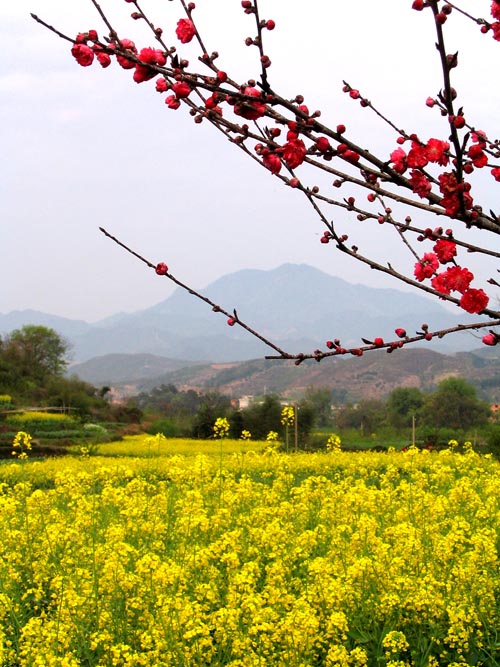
[86, 147]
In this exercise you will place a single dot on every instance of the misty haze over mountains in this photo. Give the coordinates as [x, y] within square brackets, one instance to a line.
[296, 306]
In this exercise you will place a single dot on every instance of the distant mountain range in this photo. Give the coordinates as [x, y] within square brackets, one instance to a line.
[296, 306]
[374, 375]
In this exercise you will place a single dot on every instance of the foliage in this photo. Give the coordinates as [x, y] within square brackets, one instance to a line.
[454, 405]
[36, 352]
[318, 559]
[164, 426]
[212, 406]
[403, 405]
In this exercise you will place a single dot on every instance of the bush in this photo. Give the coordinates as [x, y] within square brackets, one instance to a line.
[164, 426]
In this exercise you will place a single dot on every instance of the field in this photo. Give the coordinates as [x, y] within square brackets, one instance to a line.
[161, 553]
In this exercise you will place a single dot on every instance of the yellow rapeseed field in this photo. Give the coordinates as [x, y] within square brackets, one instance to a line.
[250, 559]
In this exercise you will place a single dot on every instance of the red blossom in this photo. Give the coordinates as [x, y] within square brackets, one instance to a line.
[123, 61]
[249, 109]
[322, 144]
[161, 269]
[161, 85]
[104, 59]
[437, 151]
[143, 73]
[83, 54]
[181, 89]
[474, 300]
[490, 339]
[420, 183]
[445, 250]
[458, 278]
[398, 158]
[495, 172]
[172, 102]
[185, 30]
[272, 162]
[417, 157]
[351, 156]
[400, 332]
[477, 155]
[426, 266]
[440, 283]
[495, 10]
[294, 152]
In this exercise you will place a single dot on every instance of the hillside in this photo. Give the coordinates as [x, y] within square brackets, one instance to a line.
[372, 376]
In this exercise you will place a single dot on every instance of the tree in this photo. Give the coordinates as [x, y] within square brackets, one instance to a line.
[454, 404]
[368, 416]
[213, 405]
[422, 190]
[320, 400]
[402, 405]
[36, 353]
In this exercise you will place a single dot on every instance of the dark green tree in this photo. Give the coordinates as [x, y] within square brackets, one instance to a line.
[403, 404]
[36, 353]
[213, 405]
[320, 401]
[367, 416]
[455, 405]
[262, 417]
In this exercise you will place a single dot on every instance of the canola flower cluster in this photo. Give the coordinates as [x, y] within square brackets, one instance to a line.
[306, 560]
[38, 416]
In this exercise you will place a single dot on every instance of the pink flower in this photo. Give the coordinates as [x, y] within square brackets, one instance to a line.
[83, 54]
[474, 300]
[185, 30]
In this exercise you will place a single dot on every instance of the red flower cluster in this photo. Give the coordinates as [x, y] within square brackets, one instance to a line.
[148, 56]
[453, 193]
[185, 30]
[420, 155]
[454, 278]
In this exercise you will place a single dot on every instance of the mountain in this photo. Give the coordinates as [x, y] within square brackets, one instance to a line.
[296, 306]
[374, 375]
[113, 369]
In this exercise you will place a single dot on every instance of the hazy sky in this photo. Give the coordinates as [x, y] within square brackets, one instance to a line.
[86, 147]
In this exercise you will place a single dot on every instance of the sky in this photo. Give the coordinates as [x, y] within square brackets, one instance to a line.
[86, 147]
